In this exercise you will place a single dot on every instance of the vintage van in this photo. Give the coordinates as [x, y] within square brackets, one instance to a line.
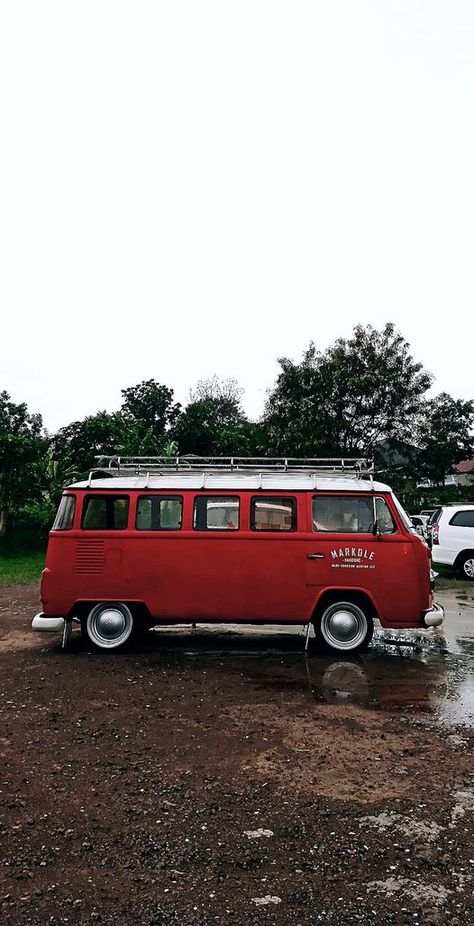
[157, 541]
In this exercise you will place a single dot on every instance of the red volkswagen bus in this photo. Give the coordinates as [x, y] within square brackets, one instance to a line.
[157, 541]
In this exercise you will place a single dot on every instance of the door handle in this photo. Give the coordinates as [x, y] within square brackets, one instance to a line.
[315, 555]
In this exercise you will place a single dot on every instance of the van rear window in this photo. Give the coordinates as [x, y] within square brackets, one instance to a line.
[65, 516]
[159, 513]
[105, 512]
[216, 513]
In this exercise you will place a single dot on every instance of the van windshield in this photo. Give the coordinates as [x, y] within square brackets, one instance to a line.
[403, 515]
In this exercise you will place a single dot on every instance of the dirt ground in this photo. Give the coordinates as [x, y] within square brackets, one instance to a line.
[219, 779]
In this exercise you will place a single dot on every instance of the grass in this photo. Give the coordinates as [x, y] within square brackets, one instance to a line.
[20, 566]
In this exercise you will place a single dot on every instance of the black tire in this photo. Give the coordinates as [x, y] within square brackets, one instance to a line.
[344, 627]
[109, 626]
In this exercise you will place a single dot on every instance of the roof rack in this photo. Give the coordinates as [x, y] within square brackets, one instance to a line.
[155, 466]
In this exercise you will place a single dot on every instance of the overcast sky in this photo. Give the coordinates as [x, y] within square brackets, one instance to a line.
[189, 188]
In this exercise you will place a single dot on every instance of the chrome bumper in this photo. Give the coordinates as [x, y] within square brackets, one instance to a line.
[50, 624]
[434, 616]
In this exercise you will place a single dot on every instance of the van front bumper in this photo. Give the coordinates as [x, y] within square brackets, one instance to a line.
[50, 624]
[434, 616]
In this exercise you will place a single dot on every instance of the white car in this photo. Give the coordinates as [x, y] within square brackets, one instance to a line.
[453, 539]
[420, 523]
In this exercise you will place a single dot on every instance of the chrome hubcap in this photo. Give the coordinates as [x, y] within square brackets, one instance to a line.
[344, 626]
[109, 626]
[110, 623]
[469, 568]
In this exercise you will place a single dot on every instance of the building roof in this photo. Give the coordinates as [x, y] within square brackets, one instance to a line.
[464, 467]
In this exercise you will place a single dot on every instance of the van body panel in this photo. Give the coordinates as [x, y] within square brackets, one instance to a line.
[240, 575]
[383, 567]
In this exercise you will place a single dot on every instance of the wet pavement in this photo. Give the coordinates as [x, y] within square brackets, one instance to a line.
[425, 673]
[221, 776]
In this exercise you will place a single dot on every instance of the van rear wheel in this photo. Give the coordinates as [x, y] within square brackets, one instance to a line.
[344, 627]
[109, 625]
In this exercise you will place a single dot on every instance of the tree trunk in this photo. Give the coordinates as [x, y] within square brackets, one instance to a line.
[3, 521]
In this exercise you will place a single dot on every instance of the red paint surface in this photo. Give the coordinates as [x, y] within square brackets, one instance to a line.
[239, 575]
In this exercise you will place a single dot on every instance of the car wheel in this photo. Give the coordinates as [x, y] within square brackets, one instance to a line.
[109, 625]
[344, 627]
[467, 567]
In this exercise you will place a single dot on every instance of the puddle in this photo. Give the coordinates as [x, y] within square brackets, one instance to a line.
[428, 675]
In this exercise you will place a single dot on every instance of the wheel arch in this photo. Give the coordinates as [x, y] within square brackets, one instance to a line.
[82, 608]
[357, 596]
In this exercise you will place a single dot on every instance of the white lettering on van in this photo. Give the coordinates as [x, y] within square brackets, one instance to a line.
[352, 557]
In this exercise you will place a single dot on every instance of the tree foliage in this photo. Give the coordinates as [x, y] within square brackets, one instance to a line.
[76, 446]
[346, 399]
[22, 448]
[215, 388]
[445, 435]
[150, 408]
[213, 423]
[360, 396]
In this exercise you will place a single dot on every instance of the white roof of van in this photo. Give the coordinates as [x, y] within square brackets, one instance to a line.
[281, 482]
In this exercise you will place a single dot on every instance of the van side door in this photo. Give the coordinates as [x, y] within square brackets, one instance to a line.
[245, 559]
[345, 554]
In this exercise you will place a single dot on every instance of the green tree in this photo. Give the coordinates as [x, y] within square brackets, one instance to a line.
[76, 446]
[141, 427]
[445, 435]
[150, 412]
[348, 398]
[213, 423]
[23, 446]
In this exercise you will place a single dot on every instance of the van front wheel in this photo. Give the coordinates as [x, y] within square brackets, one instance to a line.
[109, 625]
[344, 627]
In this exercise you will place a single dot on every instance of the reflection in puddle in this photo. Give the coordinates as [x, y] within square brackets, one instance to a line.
[421, 677]
[428, 680]
[345, 681]
[418, 677]
[395, 682]
[424, 673]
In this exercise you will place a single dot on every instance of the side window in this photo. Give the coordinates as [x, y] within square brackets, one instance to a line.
[272, 513]
[65, 516]
[216, 513]
[159, 513]
[105, 512]
[463, 519]
[351, 514]
[343, 514]
[385, 522]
